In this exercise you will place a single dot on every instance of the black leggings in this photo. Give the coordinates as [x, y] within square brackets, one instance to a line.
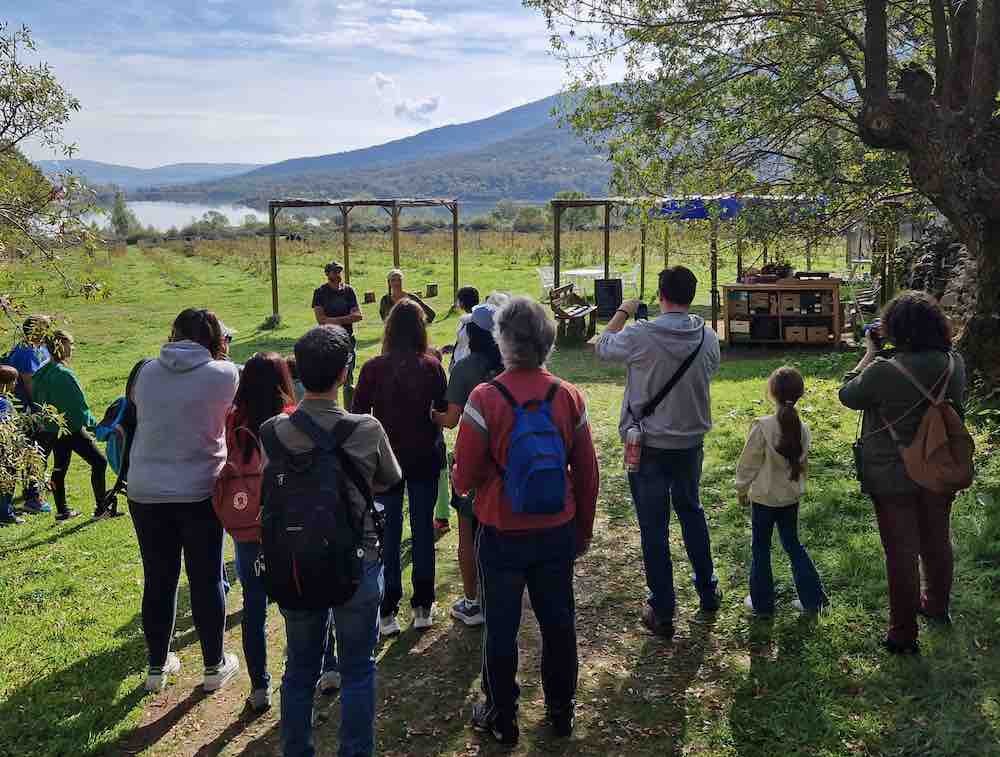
[62, 449]
[165, 532]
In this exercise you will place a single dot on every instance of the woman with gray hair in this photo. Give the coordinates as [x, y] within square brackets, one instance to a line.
[535, 499]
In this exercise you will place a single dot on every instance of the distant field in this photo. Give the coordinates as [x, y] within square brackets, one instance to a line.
[71, 647]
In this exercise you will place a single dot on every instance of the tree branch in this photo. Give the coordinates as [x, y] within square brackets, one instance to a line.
[876, 51]
[987, 63]
[963, 50]
[942, 48]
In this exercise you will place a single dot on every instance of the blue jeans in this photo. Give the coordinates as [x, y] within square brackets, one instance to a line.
[254, 614]
[423, 498]
[357, 635]
[6, 507]
[665, 477]
[807, 581]
[542, 562]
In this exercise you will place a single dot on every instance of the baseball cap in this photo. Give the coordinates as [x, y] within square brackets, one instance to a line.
[333, 265]
[482, 316]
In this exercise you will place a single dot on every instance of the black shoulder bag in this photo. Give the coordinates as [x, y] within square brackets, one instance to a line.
[651, 406]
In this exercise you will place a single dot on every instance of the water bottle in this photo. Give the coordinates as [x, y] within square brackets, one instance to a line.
[633, 449]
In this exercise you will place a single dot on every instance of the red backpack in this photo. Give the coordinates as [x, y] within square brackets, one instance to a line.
[236, 497]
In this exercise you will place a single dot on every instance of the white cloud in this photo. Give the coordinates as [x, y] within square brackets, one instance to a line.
[419, 111]
[383, 84]
[408, 14]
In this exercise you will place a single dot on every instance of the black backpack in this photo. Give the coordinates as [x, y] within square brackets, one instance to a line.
[312, 545]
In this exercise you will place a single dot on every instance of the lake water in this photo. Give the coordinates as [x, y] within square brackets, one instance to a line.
[162, 215]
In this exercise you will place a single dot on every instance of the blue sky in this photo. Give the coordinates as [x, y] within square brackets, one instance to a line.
[169, 81]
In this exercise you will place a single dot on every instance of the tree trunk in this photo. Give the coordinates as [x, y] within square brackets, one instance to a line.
[980, 339]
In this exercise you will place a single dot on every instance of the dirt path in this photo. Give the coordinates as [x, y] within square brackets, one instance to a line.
[633, 687]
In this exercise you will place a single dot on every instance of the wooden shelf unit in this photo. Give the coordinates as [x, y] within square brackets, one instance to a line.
[744, 326]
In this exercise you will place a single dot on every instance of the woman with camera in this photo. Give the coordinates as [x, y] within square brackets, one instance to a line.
[890, 386]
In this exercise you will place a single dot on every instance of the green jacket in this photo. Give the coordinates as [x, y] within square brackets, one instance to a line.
[881, 390]
[55, 384]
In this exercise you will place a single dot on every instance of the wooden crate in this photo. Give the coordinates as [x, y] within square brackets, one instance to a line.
[817, 334]
[739, 327]
[795, 334]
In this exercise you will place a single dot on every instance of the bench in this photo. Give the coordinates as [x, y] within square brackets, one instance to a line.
[576, 319]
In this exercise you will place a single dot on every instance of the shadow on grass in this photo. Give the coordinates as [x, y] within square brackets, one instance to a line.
[59, 533]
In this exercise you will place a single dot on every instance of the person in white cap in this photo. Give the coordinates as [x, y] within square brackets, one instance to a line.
[482, 364]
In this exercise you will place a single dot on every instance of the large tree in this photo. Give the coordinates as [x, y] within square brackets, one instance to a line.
[793, 97]
[39, 218]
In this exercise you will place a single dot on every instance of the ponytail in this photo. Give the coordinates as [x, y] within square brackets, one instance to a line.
[787, 387]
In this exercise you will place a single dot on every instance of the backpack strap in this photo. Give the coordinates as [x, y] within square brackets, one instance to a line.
[505, 392]
[944, 381]
[549, 396]
[325, 440]
[272, 444]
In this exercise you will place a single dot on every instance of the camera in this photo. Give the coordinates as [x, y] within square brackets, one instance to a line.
[874, 329]
[642, 312]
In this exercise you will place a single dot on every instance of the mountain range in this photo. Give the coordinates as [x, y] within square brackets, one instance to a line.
[130, 178]
[519, 154]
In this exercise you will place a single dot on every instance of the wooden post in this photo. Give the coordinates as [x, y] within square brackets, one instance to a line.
[345, 212]
[607, 240]
[556, 252]
[739, 258]
[642, 260]
[454, 250]
[764, 256]
[273, 213]
[666, 244]
[395, 235]
[809, 254]
[713, 244]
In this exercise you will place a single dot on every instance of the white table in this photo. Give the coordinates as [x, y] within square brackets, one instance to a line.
[581, 276]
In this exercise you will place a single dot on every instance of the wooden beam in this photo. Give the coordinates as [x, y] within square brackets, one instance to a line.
[666, 244]
[273, 214]
[642, 260]
[607, 240]
[345, 213]
[395, 235]
[739, 258]
[556, 251]
[713, 244]
[809, 254]
[454, 250]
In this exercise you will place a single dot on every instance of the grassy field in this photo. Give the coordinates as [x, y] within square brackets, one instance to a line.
[71, 647]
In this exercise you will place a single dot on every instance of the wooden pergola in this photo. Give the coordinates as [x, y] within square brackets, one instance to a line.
[393, 207]
[559, 205]
[667, 209]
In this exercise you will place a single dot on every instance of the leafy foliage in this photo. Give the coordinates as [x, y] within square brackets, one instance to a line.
[730, 96]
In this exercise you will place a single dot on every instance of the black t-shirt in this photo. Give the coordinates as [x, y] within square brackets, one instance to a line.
[336, 302]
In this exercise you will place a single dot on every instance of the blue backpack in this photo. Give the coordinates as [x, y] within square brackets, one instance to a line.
[535, 477]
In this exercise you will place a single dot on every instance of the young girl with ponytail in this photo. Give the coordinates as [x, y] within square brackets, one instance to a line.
[771, 477]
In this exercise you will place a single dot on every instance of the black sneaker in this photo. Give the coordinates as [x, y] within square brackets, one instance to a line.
[713, 602]
[562, 721]
[895, 647]
[11, 520]
[943, 619]
[656, 627]
[486, 719]
[67, 515]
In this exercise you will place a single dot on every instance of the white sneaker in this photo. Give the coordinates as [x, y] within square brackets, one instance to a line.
[797, 604]
[260, 700]
[156, 679]
[221, 674]
[748, 603]
[423, 617]
[329, 682]
[388, 625]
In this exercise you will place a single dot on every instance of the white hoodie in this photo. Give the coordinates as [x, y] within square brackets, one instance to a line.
[764, 472]
[181, 402]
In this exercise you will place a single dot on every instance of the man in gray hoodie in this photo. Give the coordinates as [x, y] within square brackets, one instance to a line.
[673, 435]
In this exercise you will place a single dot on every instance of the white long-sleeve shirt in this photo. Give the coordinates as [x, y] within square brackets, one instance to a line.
[765, 473]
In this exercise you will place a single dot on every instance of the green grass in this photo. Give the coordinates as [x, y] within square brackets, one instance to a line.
[72, 652]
